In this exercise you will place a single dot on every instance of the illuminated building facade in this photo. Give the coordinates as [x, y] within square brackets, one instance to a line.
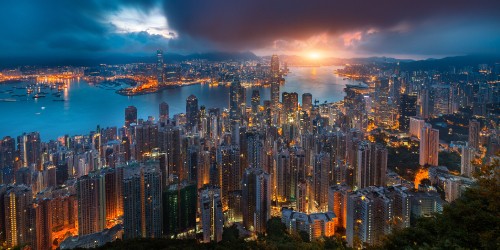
[212, 219]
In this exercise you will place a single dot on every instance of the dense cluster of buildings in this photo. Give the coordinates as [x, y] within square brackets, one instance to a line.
[191, 174]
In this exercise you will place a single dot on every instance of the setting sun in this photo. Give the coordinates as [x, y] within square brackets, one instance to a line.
[314, 55]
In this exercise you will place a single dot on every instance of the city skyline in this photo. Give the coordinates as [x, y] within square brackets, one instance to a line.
[249, 124]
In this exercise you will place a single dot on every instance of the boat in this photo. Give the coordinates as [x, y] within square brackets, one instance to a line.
[38, 96]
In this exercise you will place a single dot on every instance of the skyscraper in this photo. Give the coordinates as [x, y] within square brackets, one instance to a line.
[255, 101]
[18, 215]
[337, 202]
[256, 191]
[130, 115]
[369, 216]
[429, 146]
[275, 82]
[159, 67]
[235, 100]
[424, 103]
[91, 195]
[307, 102]
[228, 163]
[7, 152]
[179, 208]
[384, 116]
[407, 109]
[43, 222]
[142, 196]
[192, 112]
[371, 165]
[255, 148]
[164, 114]
[474, 129]
[212, 219]
[321, 180]
[416, 125]
[283, 176]
[30, 150]
[290, 102]
[466, 158]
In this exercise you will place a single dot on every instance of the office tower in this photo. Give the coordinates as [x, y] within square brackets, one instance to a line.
[307, 102]
[192, 112]
[159, 67]
[18, 214]
[130, 115]
[275, 82]
[474, 129]
[179, 208]
[235, 100]
[212, 218]
[256, 193]
[337, 202]
[466, 158]
[369, 216]
[424, 103]
[43, 222]
[91, 195]
[142, 202]
[371, 165]
[255, 101]
[316, 225]
[321, 180]
[228, 163]
[164, 112]
[407, 109]
[30, 149]
[416, 125]
[429, 146]
[290, 102]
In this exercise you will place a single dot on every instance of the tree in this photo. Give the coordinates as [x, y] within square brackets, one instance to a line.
[470, 222]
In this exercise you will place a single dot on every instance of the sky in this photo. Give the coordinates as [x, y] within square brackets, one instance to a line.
[43, 31]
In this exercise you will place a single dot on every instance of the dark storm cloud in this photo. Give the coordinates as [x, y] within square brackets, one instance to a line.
[258, 23]
[62, 28]
[38, 31]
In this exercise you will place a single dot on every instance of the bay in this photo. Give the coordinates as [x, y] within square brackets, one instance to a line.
[88, 105]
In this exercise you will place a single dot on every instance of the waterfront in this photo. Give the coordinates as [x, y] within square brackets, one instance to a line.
[87, 106]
